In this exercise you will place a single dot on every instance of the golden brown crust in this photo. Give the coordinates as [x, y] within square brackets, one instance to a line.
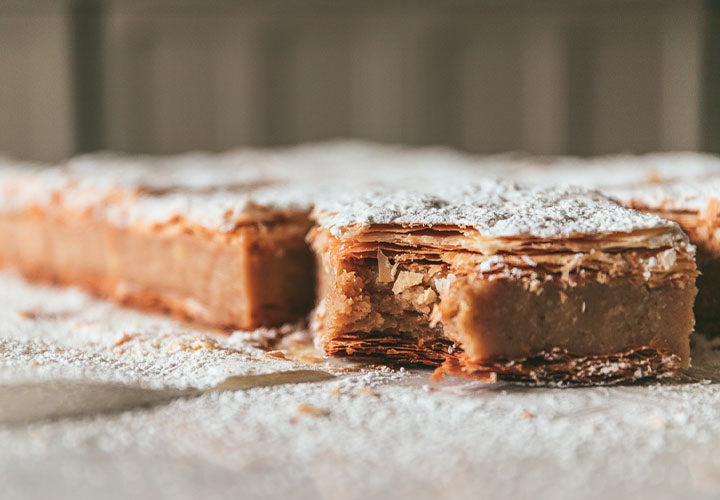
[559, 367]
[703, 229]
[556, 367]
[572, 261]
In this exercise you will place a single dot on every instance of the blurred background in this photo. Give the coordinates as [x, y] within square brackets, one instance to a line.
[542, 76]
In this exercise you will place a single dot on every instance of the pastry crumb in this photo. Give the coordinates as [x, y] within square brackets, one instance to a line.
[311, 410]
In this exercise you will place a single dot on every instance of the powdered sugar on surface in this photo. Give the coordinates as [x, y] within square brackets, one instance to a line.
[70, 334]
[350, 183]
[494, 207]
[687, 195]
[218, 210]
[214, 190]
[681, 181]
[382, 433]
[218, 190]
[617, 170]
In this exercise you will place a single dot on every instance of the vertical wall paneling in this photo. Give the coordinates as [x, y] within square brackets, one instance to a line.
[579, 46]
[240, 91]
[552, 77]
[682, 40]
[492, 89]
[36, 112]
[186, 79]
[183, 80]
[544, 89]
[710, 100]
[88, 57]
[627, 84]
[417, 27]
[320, 85]
[614, 81]
[378, 79]
[127, 72]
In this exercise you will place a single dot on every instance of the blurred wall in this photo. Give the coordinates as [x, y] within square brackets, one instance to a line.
[544, 76]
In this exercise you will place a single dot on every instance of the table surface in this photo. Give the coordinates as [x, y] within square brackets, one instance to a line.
[106, 402]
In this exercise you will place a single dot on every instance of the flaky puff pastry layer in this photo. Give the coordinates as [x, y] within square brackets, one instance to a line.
[651, 256]
[650, 259]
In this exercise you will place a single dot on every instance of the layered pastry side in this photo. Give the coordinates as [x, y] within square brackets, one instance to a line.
[682, 187]
[695, 205]
[499, 281]
[225, 247]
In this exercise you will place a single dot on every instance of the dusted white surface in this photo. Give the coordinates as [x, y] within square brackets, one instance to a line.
[495, 208]
[607, 172]
[219, 190]
[415, 185]
[365, 434]
[692, 195]
[682, 181]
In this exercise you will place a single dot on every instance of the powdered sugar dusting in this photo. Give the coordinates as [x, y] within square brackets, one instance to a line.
[680, 181]
[493, 207]
[69, 334]
[686, 195]
[218, 190]
[604, 172]
[218, 210]
[452, 438]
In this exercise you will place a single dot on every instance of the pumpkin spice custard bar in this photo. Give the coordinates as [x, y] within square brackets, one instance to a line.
[499, 281]
[682, 187]
[695, 205]
[217, 243]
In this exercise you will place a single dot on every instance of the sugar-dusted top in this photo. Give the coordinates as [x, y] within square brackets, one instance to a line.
[206, 186]
[495, 208]
[681, 195]
[607, 172]
[218, 210]
[220, 190]
[341, 161]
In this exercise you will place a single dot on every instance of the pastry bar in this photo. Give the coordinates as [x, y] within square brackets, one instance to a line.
[695, 205]
[211, 240]
[495, 280]
[683, 187]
